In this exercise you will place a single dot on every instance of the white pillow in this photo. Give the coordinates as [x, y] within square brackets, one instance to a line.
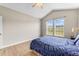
[76, 39]
[77, 43]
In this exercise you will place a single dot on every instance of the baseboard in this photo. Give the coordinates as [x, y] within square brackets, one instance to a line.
[5, 46]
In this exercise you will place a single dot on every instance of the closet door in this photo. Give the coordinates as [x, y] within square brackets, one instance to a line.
[1, 31]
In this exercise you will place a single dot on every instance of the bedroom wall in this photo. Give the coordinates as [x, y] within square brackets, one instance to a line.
[78, 20]
[70, 18]
[78, 17]
[18, 27]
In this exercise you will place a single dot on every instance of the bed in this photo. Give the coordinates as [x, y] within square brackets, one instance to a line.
[55, 46]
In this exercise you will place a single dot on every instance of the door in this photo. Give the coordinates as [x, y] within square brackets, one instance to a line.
[49, 27]
[55, 27]
[1, 31]
[59, 27]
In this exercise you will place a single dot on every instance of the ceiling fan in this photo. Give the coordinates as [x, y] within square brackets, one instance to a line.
[38, 5]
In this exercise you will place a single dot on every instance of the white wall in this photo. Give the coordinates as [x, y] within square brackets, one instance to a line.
[70, 17]
[1, 31]
[18, 27]
[78, 18]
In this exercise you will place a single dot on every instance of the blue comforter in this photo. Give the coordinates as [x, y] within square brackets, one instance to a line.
[54, 46]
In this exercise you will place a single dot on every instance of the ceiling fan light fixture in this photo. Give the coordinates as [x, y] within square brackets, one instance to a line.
[38, 5]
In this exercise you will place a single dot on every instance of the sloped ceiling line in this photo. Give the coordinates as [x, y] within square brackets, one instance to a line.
[27, 8]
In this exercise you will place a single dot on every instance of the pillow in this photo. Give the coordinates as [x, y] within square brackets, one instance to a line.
[76, 40]
[77, 43]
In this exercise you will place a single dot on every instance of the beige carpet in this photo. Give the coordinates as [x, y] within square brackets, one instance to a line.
[18, 50]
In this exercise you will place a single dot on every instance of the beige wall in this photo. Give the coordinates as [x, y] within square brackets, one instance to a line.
[70, 18]
[18, 27]
[78, 18]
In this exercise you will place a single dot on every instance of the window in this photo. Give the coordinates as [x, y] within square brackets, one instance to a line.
[55, 27]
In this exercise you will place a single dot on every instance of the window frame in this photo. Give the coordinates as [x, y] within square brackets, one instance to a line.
[53, 34]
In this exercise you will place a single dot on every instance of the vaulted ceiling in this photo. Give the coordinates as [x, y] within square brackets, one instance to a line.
[39, 12]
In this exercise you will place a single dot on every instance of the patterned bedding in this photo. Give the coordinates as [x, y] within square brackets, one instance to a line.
[54, 46]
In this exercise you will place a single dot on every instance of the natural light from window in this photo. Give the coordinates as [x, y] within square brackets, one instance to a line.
[55, 27]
